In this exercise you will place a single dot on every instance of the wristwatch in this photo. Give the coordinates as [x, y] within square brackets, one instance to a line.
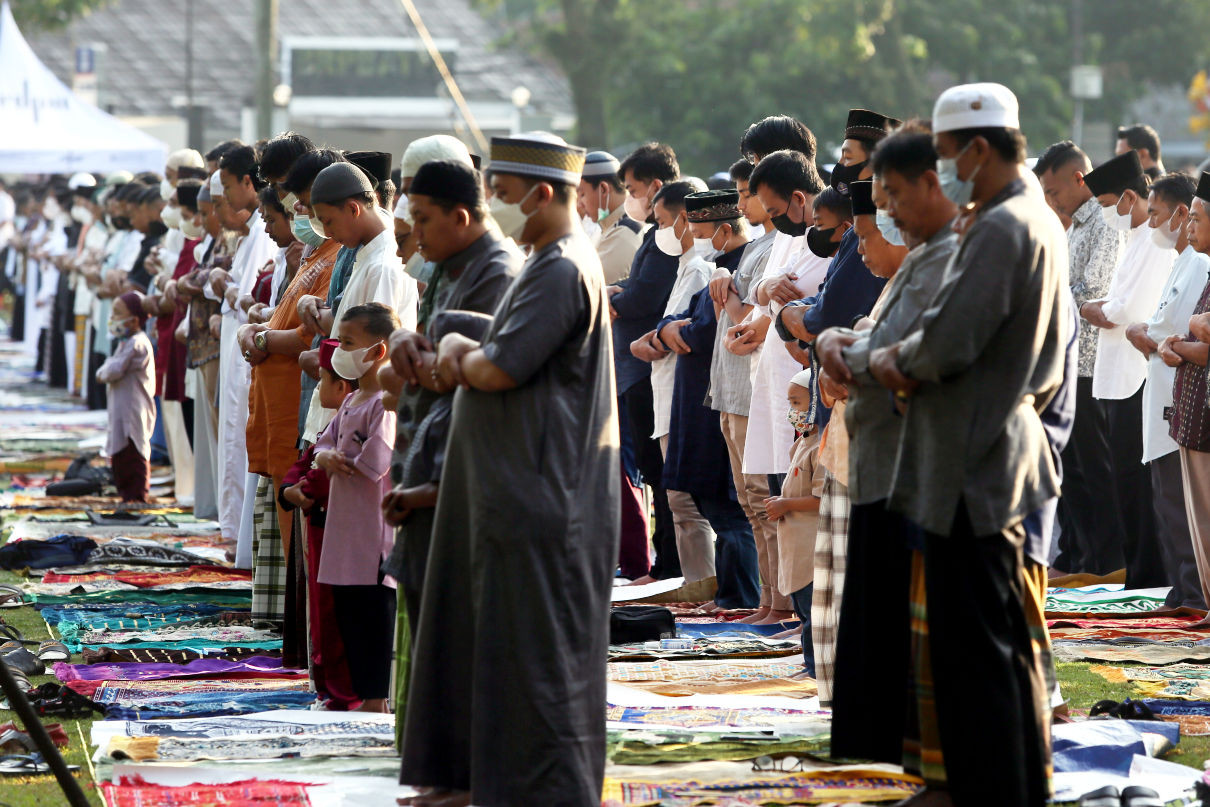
[261, 341]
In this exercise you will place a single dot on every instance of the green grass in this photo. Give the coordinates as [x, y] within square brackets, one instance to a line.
[43, 791]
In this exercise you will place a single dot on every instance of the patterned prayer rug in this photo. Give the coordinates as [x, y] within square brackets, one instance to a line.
[249, 793]
[817, 787]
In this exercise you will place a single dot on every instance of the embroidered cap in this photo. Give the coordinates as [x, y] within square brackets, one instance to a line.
[869, 125]
[540, 155]
[720, 205]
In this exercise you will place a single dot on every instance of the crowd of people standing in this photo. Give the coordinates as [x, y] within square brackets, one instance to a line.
[439, 408]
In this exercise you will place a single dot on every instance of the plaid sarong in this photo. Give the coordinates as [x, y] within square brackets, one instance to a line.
[831, 551]
[268, 556]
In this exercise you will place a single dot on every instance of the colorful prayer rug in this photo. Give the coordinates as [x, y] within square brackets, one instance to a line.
[691, 717]
[1140, 653]
[717, 647]
[843, 787]
[249, 793]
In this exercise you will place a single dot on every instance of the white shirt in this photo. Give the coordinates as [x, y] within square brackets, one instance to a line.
[770, 435]
[1133, 295]
[8, 215]
[692, 277]
[1181, 293]
[377, 276]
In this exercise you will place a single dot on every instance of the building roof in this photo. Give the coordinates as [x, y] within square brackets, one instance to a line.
[142, 71]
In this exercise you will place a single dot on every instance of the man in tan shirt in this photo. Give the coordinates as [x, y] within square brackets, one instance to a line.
[601, 194]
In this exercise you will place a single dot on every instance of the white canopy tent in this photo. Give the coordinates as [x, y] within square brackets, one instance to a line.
[46, 129]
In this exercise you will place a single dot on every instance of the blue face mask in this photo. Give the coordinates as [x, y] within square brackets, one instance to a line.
[886, 226]
[304, 232]
[958, 191]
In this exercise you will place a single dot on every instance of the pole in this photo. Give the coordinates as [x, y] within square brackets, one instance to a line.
[37, 732]
[1077, 57]
[193, 136]
[266, 61]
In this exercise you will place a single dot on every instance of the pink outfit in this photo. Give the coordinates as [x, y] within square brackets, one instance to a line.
[356, 538]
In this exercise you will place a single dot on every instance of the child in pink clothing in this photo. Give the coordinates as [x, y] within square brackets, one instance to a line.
[355, 450]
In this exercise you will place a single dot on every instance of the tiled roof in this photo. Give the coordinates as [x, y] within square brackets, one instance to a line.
[143, 68]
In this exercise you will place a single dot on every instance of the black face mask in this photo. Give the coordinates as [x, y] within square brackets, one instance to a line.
[121, 222]
[785, 224]
[843, 175]
[820, 243]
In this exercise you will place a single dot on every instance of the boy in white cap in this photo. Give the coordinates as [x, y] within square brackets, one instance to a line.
[974, 462]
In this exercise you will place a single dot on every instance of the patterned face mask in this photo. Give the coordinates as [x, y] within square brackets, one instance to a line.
[798, 420]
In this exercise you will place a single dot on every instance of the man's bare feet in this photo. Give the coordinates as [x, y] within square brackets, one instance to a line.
[929, 797]
[755, 619]
[378, 705]
[642, 581]
[788, 634]
[1201, 624]
[805, 675]
[709, 608]
[773, 617]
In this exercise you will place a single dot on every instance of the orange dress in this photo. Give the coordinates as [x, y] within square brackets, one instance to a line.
[272, 433]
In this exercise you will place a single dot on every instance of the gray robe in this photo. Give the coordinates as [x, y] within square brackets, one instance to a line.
[507, 691]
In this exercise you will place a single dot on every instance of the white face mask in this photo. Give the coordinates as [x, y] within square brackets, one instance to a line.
[50, 208]
[668, 242]
[1164, 236]
[415, 266]
[509, 215]
[1116, 220]
[636, 208]
[81, 214]
[352, 364]
[958, 191]
[166, 189]
[702, 247]
[190, 229]
[171, 216]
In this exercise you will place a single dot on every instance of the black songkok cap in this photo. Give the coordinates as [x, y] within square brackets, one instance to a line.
[1116, 175]
[340, 181]
[869, 125]
[377, 164]
[449, 180]
[722, 205]
[187, 195]
[1203, 188]
[861, 194]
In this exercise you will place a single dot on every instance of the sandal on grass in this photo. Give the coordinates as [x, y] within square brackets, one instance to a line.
[52, 651]
[16, 657]
[26, 765]
[11, 596]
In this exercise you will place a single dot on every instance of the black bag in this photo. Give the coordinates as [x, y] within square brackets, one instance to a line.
[640, 623]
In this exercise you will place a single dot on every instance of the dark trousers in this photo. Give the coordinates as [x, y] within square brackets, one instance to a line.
[1091, 537]
[366, 617]
[131, 474]
[735, 564]
[1132, 483]
[640, 416]
[873, 637]
[991, 724]
[802, 607]
[1172, 530]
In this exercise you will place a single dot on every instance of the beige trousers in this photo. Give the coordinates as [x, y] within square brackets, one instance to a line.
[1195, 474]
[752, 490]
[694, 536]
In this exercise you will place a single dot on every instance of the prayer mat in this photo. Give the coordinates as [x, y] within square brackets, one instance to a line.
[255, 666]
[1081, 603]
[699, 717]
[248, 793]
[234, 634]
[694, 628]
[1178, 707]
[816, 787]
[132, 550]
[699, 591]
[227, 599]
[749, 647]
[155, 655]
[1081, 580]
[194, 575]
[1178, 682]
[651, 748]
[123, 691]
[713, 677]
[1191, 725]
[141, 749]
[1140, 653]
[207, 704]
[356, 724]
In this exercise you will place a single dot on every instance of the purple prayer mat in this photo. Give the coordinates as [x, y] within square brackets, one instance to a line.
[253, 667]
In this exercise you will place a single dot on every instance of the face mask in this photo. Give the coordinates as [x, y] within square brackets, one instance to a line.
[50, 208]
[171, 216]
[668, 242]
[819, 241]
[305, 233]
[591, 229]
[843, 175]
[119, 328]
[798, 420]
[1117, 220]
[166, 189]
[717, 233]
[81, 214]
[509, 216]
[785, 224]
[886, 226]
[636, 208]
[317, 227]
[418, 268]
[1164, 236]
[192, 231]
[121, 222]
[603, 212]
[288, 203]
[352, 364]
[957, 190]
[702, 247]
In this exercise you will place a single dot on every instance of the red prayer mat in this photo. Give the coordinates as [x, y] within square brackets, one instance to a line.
[134, 792]
[194, 574]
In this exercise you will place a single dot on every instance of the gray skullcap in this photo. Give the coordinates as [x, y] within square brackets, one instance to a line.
[338, 182]
[600, 165]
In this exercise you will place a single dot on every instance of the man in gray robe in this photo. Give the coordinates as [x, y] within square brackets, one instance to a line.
[507, 689]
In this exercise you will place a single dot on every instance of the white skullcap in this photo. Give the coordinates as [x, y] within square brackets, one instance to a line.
[186, 158]
[433, 147]
[802, 378]
[403, 211]
[976, 106]
[216, 185]
[81, 180]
